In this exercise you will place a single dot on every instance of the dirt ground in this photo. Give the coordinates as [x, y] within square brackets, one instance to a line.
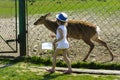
[110, 32]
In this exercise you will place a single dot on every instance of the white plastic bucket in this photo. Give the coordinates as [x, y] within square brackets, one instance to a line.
[47, 45]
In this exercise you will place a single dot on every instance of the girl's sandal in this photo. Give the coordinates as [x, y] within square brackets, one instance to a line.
[68, 72]
[50, 70]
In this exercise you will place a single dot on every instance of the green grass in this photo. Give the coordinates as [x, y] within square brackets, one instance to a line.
[44, 6]
[7, 8]
[94, 6]
[24, 71]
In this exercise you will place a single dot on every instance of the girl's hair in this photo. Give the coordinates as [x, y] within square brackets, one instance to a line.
[61, 22]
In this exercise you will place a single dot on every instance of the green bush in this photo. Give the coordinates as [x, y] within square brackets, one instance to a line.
[48, 62]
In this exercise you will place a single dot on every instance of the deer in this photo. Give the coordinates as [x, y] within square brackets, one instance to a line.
[77, 29]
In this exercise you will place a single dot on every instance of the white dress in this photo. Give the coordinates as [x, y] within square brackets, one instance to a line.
[62, 44]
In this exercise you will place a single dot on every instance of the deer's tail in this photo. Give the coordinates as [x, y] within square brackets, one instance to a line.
[98, 29]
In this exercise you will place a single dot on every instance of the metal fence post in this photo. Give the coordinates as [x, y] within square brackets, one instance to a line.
[22, 28]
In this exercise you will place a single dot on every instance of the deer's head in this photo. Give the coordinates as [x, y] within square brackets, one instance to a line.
[41, 19]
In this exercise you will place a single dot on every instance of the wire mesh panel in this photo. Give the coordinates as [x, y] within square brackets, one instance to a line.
[8, 26]
[103, 13]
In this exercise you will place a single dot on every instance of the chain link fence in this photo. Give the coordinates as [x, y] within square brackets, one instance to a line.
[103, 13]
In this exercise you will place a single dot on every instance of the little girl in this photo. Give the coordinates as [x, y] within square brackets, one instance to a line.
[61, 43]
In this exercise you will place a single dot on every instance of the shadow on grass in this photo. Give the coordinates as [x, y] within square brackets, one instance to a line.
[50, 76]
[5, 65]
[6, 61]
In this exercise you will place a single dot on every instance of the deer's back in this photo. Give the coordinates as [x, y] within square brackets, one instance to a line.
[80, 29]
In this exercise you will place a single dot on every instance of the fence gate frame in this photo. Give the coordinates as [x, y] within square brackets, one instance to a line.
[21, 37]
[16, 35]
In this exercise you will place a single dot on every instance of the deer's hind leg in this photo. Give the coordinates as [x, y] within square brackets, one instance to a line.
[91, 44]
[103, 43]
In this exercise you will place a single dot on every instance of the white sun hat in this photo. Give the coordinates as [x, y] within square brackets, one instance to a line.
[62, 17]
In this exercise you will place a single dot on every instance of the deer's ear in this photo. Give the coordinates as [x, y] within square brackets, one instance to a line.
[47, 14]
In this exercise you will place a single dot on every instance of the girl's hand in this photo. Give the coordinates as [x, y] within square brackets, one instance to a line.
[53, 36]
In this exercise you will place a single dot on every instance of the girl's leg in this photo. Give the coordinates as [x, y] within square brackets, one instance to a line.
[67, 60]
[54, 60]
